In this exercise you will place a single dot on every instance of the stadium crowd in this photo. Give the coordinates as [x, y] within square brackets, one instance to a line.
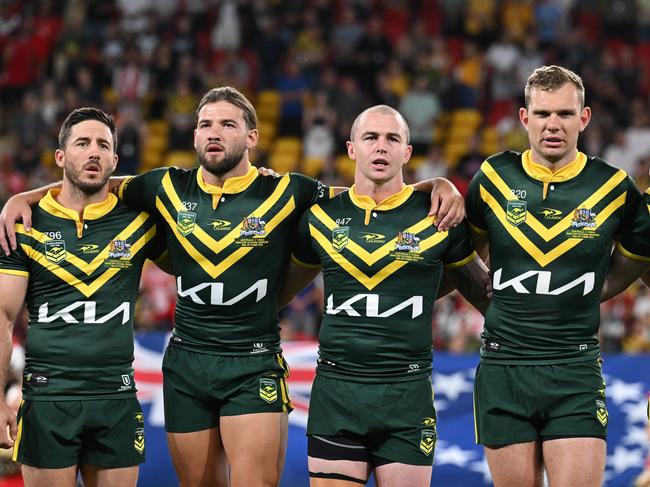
[453, 68]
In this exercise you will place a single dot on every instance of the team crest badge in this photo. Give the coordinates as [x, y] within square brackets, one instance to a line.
[138, 442]
[340, 238]
[268, 390]
[427, 441]
[516, 212]
[601, 412]
[407, 242]
[55, 250]
[583, 217]
[119, 249]
[253, 227]
[185, 222]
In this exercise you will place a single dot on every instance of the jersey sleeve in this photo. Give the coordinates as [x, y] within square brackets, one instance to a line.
[475, 206]
[303, 252]
[460, 250]
[634, 242]
[309, 191]
[139, 192]
[16, 263]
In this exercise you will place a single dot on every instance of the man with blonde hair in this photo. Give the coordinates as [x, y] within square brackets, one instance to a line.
[547, 219]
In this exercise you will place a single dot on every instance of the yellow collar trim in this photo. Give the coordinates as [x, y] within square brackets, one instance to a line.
[92, 211]
[393, 201]
[544, 174]
[231, 185]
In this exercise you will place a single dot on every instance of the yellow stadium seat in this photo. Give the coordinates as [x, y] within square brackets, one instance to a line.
[312, 166]
[416, 161]
[345, 167]
[158, 127]
[283, 163]
[466, 116]
[181, 158]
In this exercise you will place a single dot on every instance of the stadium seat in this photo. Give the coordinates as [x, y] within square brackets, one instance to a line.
[181, 158]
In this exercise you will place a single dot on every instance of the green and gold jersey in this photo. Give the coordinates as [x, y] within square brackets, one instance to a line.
[229, 248]
[382, 265]
[636, 244]
[550, 237]
[83, 282]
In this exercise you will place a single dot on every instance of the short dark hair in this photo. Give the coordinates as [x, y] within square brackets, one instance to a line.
[551, 78]
[234, 97]
[81, 115]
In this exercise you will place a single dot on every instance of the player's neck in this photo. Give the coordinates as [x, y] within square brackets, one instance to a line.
[241, 169]
[554, 165]
[378, 191]
[73, 198]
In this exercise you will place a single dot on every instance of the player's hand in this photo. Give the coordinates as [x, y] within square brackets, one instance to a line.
[447, 204]
[16, 209]
[8, 428]
[265, 171]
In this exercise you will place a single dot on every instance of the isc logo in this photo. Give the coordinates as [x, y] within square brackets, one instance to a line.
[215, 296]
[372, 306]
[543, 284]
[89, 316]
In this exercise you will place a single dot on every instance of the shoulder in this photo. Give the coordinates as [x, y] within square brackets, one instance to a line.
[503, 159]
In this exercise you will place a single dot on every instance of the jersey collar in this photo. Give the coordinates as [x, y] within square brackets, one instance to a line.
[92, 211]
[230, 186]
[368, 204]
[547, 176]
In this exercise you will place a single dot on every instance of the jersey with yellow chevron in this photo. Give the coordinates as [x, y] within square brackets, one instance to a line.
[83, 282]
[636, 244]
[228, 247]
[550, 237]
[382, 265]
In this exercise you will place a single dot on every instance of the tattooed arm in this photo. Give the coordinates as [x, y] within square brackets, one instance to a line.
[473, 282]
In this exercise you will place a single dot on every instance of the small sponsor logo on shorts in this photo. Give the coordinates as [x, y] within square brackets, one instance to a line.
[127, 383]
[583, 346]
[413, 368]
[492, 346]
[429, 421]
[138, 442]
[259, 347]
[268, 390]
[427, 441]
[34, 379]
[139, 417]
[601, 412]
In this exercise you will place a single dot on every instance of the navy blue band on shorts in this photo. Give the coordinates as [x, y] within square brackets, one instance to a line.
[337, 476]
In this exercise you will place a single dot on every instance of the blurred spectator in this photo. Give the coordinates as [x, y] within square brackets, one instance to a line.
[130, 127]
[433, 166]
[620, 154]
[181, 116]
[29, 133]
[319, 141]
[226, 33]
[420, 107]
[293, 87]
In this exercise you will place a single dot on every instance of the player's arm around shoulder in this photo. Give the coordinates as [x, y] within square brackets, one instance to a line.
[472, 281]
[13, 288]
[304, 266]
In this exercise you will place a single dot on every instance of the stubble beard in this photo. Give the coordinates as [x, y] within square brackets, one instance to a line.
[89, 188]
[227, 164]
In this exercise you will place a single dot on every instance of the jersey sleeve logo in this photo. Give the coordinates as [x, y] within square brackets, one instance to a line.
[55, 250]
[340, 238]
[185, 222]
[516, 212]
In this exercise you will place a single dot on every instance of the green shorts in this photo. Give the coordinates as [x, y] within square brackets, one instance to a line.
[107, 433]
[199, 388]
[522, 403]
[393, 422]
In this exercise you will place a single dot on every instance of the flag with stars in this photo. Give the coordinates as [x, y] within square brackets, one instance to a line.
[458, 460]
